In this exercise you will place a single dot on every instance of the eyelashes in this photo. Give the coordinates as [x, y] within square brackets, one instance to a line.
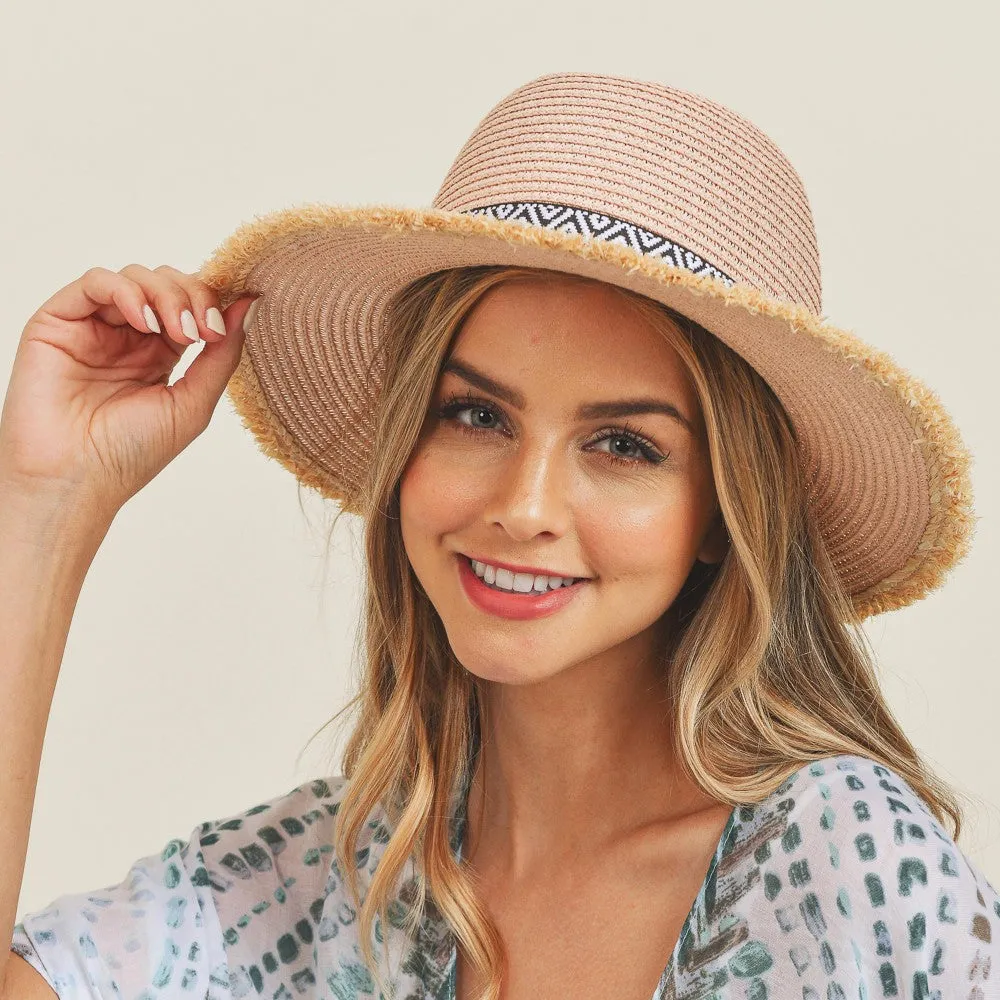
[456, 402]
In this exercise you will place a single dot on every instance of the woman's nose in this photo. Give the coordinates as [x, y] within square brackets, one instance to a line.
[530, 491]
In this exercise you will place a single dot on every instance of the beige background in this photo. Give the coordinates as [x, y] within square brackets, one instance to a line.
[208, 644]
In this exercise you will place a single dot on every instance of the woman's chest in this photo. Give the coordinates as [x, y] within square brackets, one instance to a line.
[606, 930]
[617, 950]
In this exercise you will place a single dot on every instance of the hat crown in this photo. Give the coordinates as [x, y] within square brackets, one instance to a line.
[674, 163]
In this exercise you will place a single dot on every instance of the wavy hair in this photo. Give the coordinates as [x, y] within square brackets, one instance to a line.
[765, 667]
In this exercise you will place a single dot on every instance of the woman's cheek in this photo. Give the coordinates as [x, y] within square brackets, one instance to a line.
[640, 539]
[421, 499]
[435, 487]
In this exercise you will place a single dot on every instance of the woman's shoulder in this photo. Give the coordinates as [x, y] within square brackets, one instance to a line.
[241, 903]
[848, 816]
[290, 826]
[845, 873]
[280, 848]
[852, 801]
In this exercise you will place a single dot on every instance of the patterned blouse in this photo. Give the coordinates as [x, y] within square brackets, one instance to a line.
[841, 884]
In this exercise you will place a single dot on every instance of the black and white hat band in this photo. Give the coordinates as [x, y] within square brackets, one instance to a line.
[596, 225]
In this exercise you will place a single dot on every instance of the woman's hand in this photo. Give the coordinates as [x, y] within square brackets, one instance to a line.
[88, 416]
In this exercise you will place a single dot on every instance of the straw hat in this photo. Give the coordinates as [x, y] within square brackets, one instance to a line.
[651, 188]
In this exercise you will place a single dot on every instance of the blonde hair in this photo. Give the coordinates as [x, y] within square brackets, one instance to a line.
[766, 666]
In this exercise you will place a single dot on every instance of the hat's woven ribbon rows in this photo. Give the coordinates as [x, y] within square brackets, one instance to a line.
[599, 226]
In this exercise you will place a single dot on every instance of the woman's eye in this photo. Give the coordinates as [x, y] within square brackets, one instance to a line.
[476, 412]
[455, 405]
[617, 439]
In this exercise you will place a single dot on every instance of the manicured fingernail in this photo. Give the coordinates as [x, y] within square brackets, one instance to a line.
[213, 320]
[189, 326]
[150, 318]
[250, 313]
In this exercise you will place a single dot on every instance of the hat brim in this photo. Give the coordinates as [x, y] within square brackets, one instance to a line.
[888, 473]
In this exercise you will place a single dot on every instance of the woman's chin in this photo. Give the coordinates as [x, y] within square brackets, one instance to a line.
[503, 673]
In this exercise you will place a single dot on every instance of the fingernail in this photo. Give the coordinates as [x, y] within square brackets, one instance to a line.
[248, 318]
[213, 320]
[189, 326]
[150, 318]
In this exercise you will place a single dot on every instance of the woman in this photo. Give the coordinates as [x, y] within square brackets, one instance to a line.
[627, 502]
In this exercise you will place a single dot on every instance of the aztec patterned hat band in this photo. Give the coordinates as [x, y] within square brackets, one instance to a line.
[663, 193]
[598, 226]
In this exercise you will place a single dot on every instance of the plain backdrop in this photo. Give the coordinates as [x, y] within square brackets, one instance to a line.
[210, 643]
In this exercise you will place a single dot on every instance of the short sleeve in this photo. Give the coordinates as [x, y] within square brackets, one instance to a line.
[153, 935]
[887, 904]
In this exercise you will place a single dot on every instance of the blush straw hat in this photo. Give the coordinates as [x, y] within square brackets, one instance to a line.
[651, 188]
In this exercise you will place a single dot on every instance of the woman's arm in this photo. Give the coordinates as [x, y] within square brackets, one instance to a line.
[45, 553]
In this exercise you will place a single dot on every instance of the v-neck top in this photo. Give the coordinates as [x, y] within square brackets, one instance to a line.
[840, 884]
[721, 847]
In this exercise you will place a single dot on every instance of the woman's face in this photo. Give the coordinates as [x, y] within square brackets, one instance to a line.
[534, 483]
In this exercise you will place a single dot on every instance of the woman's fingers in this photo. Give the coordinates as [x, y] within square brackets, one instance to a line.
[179, 303]
[178, 306]
[197, 393]
[101, 292]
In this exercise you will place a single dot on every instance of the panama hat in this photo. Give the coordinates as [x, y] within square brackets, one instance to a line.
[659, 191]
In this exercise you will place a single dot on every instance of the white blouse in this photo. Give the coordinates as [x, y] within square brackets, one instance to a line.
[841, 884]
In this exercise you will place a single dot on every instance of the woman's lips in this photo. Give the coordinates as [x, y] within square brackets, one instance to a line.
[508, 604]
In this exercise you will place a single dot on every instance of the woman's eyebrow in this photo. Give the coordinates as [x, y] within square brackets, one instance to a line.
[586, 411]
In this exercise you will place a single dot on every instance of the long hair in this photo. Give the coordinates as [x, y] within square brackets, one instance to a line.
[765, 667]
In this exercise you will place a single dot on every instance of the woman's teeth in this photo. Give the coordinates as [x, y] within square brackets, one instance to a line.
[518, 583]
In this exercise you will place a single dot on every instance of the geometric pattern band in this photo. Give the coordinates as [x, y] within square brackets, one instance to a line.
[598, 226]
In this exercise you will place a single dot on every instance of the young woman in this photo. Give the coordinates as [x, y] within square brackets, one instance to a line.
[627, 502]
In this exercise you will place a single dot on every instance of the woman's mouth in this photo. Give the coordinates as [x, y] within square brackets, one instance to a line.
[509, 603]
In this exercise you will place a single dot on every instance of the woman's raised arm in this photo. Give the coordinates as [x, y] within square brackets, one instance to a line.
[88, 419]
